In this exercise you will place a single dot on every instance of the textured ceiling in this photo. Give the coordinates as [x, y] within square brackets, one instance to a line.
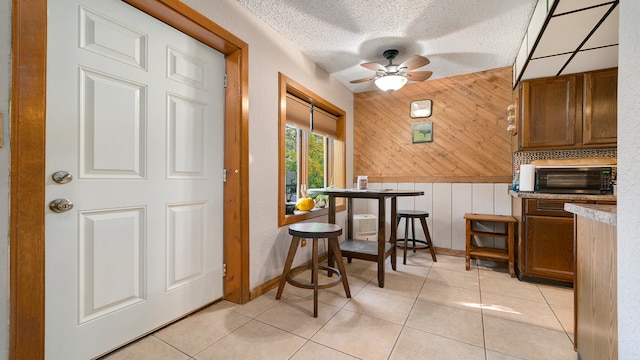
[458, 36]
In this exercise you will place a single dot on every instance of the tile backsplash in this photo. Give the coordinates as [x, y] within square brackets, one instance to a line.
[525, 157]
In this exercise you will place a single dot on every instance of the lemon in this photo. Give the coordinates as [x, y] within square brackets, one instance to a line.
[305, 204]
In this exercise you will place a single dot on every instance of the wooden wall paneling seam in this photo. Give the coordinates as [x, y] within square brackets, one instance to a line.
[28, 87]
[494, 83]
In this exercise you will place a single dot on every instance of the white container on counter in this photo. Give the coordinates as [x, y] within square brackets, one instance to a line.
[363, 182]
[527, 177]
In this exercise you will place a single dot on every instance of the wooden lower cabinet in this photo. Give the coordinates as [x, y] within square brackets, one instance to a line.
[545, 246]
[548, 248]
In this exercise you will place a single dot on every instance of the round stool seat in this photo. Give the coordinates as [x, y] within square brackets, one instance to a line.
[412, 213]
[315, 230]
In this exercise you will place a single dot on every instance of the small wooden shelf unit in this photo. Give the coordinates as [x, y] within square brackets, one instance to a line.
[487, 252]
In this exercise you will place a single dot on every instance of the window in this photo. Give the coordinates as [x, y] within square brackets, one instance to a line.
[312, 149]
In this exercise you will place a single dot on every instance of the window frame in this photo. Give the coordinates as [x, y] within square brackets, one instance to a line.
[287, 85]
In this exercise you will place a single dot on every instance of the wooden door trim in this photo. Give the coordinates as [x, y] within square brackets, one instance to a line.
[28, 135]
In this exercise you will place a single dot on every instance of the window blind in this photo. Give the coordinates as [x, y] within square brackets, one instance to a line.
[298, 115]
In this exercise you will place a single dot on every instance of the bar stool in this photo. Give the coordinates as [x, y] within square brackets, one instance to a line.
[415, 214]
[314, 231]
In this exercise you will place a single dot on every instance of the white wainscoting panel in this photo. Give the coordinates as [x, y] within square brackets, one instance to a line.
[502, 206]
[446, 204]
[483, 204]
[441, 230]
[461, 203]
[425, 203]
[502, 199]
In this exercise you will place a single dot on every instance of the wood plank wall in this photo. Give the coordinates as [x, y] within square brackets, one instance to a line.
[470, 140]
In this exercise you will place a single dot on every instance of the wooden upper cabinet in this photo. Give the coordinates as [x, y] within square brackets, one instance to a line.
[569, 112]
[600, 107]
[551, 109]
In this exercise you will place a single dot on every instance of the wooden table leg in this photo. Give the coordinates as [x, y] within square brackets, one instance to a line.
[314, 277]
[381, 240]
[394, 229]
[331, 220]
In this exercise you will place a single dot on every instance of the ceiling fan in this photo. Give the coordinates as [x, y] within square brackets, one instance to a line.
[392, 77]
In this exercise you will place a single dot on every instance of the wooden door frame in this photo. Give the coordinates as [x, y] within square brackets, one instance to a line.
[28, 136]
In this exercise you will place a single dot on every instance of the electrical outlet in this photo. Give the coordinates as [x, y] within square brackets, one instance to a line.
[303, 242]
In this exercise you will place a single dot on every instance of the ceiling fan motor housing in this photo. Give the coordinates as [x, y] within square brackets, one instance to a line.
[390, 54]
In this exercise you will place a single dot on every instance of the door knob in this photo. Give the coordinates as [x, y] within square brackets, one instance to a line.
[60, 205]
[62, 177]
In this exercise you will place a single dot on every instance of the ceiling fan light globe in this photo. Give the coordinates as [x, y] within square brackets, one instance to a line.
[390, 83]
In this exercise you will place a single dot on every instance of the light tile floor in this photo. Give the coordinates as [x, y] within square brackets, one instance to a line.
[426, 310]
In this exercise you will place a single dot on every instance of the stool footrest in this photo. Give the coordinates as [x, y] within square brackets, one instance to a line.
[423, 243]
[309, 285]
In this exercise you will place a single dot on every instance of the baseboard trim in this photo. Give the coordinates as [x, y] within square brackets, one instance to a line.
[273, 283]
[451, 252]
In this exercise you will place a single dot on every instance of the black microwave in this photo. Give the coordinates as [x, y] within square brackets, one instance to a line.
[574, 180]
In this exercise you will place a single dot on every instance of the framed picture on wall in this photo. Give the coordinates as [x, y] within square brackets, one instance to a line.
[422, 132]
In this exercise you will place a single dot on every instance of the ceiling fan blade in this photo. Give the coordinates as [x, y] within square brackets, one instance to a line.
[414, 62]
[419, 75]
[363, 80]
[373, 66]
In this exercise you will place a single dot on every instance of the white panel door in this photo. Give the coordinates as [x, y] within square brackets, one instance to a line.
[135, 114]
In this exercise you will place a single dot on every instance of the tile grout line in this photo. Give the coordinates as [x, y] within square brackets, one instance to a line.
[485, 283]
[484, 334]
[415, 301]
[323, 325]
[556, 315]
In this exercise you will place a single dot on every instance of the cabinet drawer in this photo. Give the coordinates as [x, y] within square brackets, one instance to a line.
[549, 207]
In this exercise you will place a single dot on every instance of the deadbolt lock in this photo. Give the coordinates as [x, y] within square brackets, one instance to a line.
[62, 177]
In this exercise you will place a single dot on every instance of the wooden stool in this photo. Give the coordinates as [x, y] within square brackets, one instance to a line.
[486, 252]
[314, 231]
[415, 214]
